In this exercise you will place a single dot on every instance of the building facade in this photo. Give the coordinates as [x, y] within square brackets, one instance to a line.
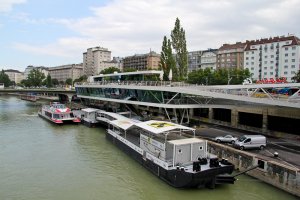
[273, 57]
[64, 72]
[42, 69]
[95, 60]
[14, 75]
[231, 56]
[202, 59]
[141, 62]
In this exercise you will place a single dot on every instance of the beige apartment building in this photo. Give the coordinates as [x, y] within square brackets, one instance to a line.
[64, 72]
[14, 75]
[147, 61]
[231, 56]
[96, 59]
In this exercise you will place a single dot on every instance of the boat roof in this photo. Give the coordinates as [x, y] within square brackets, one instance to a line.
[123, 123]
[89, 110]
[186, 141]
[114, 115]
[157, 127]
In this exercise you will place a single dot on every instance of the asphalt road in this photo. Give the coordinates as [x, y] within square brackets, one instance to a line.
[288, 150]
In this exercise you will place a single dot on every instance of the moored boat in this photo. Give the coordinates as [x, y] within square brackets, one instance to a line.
[162, 148]
[58, 113]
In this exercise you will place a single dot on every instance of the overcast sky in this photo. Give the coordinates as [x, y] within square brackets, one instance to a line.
[55, 32]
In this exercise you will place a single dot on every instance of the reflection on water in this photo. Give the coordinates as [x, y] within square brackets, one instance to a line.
[40, 160]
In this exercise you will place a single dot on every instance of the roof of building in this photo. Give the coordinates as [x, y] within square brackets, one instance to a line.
[232, 46]
[12, 70]
[295, 41]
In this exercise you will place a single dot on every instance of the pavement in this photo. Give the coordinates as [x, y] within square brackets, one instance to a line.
[288, 150]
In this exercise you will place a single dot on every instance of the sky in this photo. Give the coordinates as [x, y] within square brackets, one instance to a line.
[55, 32]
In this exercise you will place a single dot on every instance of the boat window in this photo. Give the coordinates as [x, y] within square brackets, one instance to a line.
[201, 147]
[56, 116]
[71, 114]
[180, 151]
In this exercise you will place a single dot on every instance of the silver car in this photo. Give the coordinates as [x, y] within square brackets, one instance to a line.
[227, 139]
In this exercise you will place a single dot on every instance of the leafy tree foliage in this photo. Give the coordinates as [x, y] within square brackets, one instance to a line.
[55, 81]
[130, 70]
[80, 79]
[167, 60]
[48, 81]
[221, 76]
[4, 79]
[179, 45]
[35, 78]
[69, 81]
[110, 70]
[296, 78]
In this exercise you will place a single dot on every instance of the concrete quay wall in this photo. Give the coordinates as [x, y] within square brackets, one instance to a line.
[274, 173]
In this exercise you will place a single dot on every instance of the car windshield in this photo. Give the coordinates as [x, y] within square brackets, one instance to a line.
[242, 138]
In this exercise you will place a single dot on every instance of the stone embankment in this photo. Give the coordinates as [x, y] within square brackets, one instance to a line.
[277, 174]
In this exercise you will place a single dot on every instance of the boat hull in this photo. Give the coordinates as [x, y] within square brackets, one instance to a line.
[175, 177]
[71, 121]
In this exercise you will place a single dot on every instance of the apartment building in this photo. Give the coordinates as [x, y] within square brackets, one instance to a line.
[42, 69]
[64, 72]
[273, 57]
[147, 61]
[95, 60]
[202, 59]
[231, 56]
[14, 75]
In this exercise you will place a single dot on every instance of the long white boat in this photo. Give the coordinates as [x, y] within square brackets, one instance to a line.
[58, 114]
[162, 148]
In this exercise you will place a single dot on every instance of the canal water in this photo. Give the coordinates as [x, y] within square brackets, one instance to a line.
[40, 160]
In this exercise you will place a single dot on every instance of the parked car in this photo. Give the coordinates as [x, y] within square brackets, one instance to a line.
[251, 142]
[227, 139]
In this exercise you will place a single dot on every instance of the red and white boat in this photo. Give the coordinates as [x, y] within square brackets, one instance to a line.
[58, 113]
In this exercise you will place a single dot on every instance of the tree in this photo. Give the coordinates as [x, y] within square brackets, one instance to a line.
[80, 79]
[48, 81]
[4, 79]
[296, 78]
[110, 70]
[35, 78]
[179, 45]
[69, 81]
[55, 81]
[167, 61]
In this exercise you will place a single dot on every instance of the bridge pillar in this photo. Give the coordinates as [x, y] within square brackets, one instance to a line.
[191, 112]
[265, 120]
[234, 117]
[210, 115]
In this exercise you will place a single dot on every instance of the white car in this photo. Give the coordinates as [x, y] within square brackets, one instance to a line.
[227, 138]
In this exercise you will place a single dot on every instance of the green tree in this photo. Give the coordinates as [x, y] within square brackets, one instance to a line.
[296, 78]
[129, 70]
[179, 45]
[35, 78]
[167, 61]
[4, 79]
[48, 81]
[110, 70]
[69, 81]
[55, 81]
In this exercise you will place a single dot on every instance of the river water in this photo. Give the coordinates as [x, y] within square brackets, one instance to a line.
[40, 160]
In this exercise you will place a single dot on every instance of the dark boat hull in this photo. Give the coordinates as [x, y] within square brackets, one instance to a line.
[176, 178]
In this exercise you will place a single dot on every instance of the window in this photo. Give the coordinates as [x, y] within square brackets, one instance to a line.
[266, 62]
[293, 72]
[293, 54]
[252, 68]
[252, 58]
[271, 73]
[293, 48]
[265, 73]
[266, 56]
[286, 60]
[286, 55]
[285, 67]
[247, 63]
[286, 48]
[252, 63]
[265, 68]
[271, 67]
[293, 60]
[271, 61]
[179, 151]
[201, 147]
[272, 56]
[285, 73]
[293, 66]
[287, 43]
[247, 53]
[247, 58]
[252, 52]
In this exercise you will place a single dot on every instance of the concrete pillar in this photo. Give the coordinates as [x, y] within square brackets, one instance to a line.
[191, 112]
[210, 115]
[265, 120]
[234, 117]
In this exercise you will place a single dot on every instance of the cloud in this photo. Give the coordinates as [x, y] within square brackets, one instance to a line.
[128, 27]
[6, 5]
